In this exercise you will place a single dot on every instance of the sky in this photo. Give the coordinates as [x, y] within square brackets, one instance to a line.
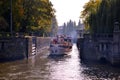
[67, 10]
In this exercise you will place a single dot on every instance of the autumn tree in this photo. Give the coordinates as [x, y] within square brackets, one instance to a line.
[28, 15]
[90, 9]
[100, 15]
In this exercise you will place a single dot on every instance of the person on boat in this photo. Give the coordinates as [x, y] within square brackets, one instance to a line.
[54, 46]
[55, 41]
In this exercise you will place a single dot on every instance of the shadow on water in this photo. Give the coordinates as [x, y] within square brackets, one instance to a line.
[4, 60]
[100, 70]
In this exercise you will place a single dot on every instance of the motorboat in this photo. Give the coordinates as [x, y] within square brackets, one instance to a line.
[60, 46]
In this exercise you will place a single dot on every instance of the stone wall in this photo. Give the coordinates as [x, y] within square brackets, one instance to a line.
[87, 49]
[21, 47]
[42, 43]
[103, 47]
[13, 48]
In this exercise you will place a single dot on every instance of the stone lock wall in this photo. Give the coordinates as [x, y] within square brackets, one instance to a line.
[21, 47]
[13, 48]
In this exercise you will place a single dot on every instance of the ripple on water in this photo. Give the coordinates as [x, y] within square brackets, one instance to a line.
[42, 67]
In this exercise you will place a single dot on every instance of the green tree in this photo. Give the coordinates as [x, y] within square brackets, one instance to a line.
[28, 15]
[100, 15]
[88, 13]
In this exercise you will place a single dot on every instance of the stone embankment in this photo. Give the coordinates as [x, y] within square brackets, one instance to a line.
[21, 47]
[99, 49]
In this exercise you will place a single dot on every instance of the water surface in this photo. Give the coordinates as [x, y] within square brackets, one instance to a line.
[43, 67]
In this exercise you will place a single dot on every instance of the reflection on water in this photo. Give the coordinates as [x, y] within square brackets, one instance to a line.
[42, 67]
[67, 68]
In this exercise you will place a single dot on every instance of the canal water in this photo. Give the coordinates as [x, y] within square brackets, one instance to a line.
[43, 67]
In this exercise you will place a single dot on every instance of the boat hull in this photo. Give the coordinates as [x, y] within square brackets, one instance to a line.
[60, 51]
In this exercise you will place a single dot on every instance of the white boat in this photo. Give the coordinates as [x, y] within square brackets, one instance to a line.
[60, 46]
[55, 49]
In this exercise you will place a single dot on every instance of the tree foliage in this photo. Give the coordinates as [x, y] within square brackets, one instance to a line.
[99, 16]
[27, 15]
[54, 28]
